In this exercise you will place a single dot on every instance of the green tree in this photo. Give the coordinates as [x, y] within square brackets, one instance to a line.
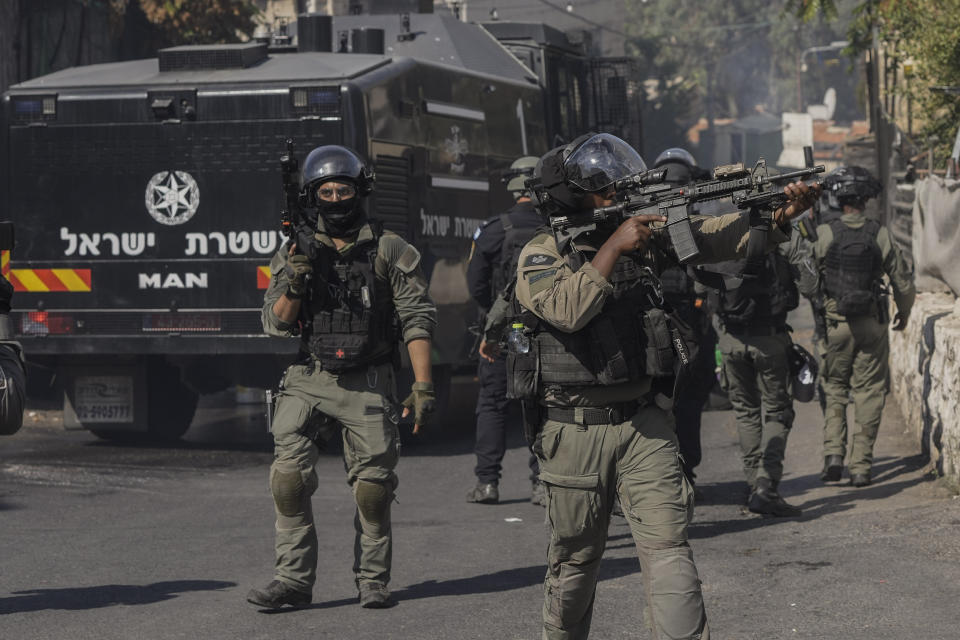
[925, 33]
[725, 59]
[197, 21]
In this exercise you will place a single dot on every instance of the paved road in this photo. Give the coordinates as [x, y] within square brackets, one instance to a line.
[105, 541]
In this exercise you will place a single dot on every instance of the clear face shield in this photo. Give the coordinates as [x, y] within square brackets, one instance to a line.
[600, 161]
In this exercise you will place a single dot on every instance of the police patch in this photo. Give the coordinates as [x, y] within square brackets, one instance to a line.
[540, 275]
[537, 259]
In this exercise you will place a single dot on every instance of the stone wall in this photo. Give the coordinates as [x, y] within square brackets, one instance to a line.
[925, 379]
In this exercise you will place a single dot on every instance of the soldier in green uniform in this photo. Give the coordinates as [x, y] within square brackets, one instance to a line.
[352, 291]
[756, 347]
[852, 254]
[600, 363]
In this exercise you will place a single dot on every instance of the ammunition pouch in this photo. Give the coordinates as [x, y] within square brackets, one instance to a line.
[523, 373]
[659, 356]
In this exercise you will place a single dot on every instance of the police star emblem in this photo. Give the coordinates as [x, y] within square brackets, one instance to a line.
[172, 197]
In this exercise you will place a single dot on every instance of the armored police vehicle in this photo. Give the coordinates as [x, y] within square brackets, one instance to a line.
[146, 193]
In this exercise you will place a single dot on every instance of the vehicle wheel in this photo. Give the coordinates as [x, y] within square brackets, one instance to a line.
[170, 403]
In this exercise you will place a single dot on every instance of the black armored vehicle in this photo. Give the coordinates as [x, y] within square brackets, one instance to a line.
[146, 193]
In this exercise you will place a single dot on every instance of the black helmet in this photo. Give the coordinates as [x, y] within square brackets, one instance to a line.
[516, 176]
[676, 154]
[333, 162]
[850, 185]
[681, 166]
[803, 373]
[590, 164]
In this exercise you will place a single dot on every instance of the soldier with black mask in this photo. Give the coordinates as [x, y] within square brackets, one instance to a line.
[352, 292]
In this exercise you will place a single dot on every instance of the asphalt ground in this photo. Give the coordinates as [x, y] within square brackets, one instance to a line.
[108, 541]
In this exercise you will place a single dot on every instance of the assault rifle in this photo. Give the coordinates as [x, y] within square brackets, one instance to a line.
[292, 223]
[290, 213]
[646, 193]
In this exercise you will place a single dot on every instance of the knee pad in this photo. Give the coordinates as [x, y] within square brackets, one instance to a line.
[373, 502]
[288, 489]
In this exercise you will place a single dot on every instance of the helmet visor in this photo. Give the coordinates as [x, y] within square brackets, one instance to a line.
[600, 161]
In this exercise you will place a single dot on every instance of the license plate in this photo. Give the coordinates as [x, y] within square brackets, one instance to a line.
[174, 322]
[104, 398]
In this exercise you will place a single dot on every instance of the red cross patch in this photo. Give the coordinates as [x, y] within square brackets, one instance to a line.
[340, 353]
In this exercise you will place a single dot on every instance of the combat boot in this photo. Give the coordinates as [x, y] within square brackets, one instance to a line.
[484, 493]
[277, 594]
[539, 496]
[832, 468]
[766, 501]
[860, 479]
[375, 595]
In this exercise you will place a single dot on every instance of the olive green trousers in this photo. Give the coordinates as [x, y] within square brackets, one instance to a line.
[583, 469]
[854, 363]
[311, 407]
[755, 373]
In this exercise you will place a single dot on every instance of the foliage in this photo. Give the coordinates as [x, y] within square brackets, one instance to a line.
[196, 21]
[727, 59]
[925, 33]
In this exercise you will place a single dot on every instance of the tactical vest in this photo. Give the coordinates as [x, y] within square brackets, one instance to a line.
[349, 318]
[757, 302]
[852, 268]
[517, 233]
[630, 339]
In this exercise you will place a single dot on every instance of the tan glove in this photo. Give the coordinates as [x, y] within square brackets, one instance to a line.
[297, 271]
[423, 401]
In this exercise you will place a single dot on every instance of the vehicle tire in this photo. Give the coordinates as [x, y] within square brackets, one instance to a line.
[171, 404]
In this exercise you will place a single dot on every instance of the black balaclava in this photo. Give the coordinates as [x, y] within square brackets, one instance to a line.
[341, 218]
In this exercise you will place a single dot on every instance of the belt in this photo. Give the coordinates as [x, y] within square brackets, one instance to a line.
[613, 414]
[761, 330]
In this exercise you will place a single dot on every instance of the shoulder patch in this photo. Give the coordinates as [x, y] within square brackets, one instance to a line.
[538, 259]
[540, 275]
[408, 260]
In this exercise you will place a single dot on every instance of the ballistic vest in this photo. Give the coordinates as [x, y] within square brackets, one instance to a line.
[852, 268]
[760, 301]
[630, 339]
[349, 318]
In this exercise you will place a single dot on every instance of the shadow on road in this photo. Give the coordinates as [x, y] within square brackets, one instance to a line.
[884, 471]
[109, 595]
[495, 582]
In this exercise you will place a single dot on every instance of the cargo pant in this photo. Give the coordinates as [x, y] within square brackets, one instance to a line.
[755, 374]
[855, 358]
[583, 467]
[360, 404]
[493, 414]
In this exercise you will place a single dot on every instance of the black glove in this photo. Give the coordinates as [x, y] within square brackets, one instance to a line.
[6, 294]
[899, 322]
[297, 271]
[423, 401]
